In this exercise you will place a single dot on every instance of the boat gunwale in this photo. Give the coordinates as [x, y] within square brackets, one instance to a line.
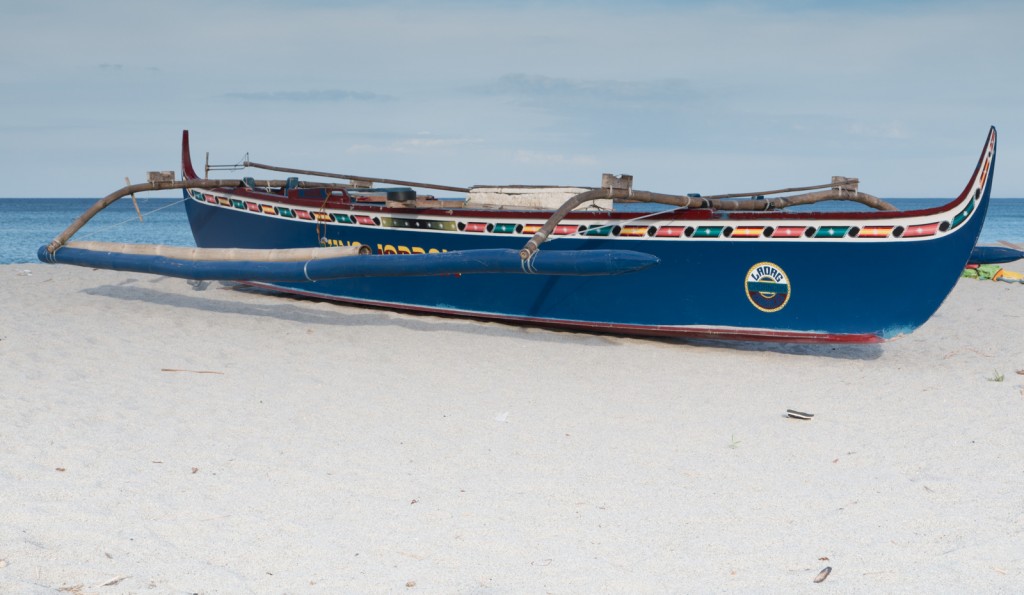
[667, 214]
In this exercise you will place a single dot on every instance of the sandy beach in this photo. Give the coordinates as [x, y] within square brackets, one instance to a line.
[165, 437]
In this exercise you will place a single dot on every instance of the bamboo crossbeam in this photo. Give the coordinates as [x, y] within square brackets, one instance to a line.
[839, 189]
[719, 202]
[722, 203]
[322, 174]
[109, 199]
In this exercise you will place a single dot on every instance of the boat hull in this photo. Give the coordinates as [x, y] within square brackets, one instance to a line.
[843, 277]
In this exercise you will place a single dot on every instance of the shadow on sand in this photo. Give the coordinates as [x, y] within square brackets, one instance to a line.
[294, 308]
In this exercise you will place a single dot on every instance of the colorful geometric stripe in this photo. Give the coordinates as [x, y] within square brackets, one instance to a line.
[405, 222]
[747, 232]
[919, 231]
[962, 215]
[707, 232]
[633, 231]
[832, 231]
[430, 224]
[669, 231]
[441, 225]
[607, 229]
[875, 232]
[788, 232]
[397, 222]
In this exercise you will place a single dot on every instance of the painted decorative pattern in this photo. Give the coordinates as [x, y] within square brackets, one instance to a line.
[748, 232]
[708, 232]
[875, 231]
[788, 232]
[920, 231]
[832, 231]
[777, 230]
[668, 231]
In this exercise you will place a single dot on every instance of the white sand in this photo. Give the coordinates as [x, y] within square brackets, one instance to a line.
[346, 450]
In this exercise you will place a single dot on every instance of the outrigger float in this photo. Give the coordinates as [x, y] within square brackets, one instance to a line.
[735, 266]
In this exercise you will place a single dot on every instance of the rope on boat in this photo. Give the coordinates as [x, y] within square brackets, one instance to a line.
[93, 232]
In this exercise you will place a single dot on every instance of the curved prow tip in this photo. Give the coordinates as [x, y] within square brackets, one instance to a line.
[981, 179]
[187, 173]
[987, 160]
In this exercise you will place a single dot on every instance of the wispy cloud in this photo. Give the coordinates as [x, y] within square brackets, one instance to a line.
[890, 130]
[411, 145]
[322, 96]
[537, 157]
[542, 88]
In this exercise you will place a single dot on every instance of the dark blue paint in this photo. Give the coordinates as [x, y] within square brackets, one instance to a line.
[840, 288]
[551, 262]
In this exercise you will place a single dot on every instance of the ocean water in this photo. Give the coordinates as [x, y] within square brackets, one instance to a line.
[28, 223]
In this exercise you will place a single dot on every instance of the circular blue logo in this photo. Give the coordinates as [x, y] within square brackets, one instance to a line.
[767, 287]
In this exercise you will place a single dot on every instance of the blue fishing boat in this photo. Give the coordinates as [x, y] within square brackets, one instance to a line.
[735, 266]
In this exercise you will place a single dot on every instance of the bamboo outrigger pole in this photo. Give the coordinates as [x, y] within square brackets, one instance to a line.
[109, 199]
[615, 188]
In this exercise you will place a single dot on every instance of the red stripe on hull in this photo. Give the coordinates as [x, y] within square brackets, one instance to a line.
[685, 332]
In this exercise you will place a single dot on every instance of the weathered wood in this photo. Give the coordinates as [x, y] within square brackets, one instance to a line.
[720, 202]
[220, 254]
[322, 174]
[542, 234]
[160, 176]
[840, 189]
[766, 204]
[109, 199]
[135, 203]
[422, 202]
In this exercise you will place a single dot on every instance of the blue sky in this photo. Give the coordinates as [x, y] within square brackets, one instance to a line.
[706, 97]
